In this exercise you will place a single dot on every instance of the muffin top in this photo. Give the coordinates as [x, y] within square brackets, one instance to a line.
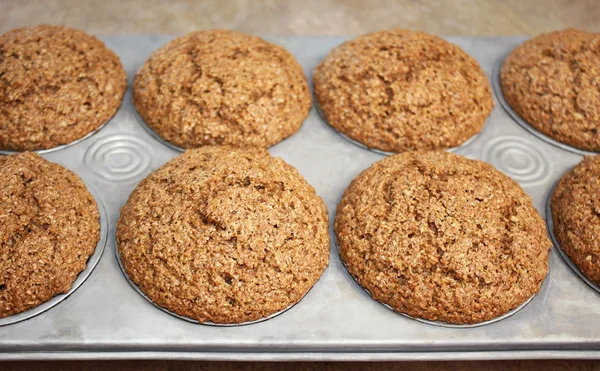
[222, 88]
[441, 237]
[402, 90]
[224, 235]
[45, 237]
[552, 82]
[576, 214]
[57, 85]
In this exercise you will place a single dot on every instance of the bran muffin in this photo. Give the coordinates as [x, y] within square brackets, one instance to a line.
[222, 88]
[45, 237]
[576, 215]
[57, 85]
[438, 236]
[552, 81]
[401, 90]
[224, 235]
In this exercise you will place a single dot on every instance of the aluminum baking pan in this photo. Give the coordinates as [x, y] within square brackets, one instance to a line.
[336, 320]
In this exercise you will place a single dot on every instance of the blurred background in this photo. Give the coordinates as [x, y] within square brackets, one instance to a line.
[305, 17]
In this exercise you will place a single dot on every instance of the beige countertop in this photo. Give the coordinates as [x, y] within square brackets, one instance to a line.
[308, 17]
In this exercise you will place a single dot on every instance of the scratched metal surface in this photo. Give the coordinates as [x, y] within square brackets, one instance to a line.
[105, 318]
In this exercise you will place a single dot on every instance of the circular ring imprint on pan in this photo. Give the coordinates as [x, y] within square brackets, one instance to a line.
[118, 157]
[517, 158]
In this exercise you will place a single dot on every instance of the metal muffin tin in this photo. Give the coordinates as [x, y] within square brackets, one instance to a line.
[336, 320]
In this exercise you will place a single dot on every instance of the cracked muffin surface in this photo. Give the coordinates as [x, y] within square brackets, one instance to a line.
[57, 85]
[401, 90]
[576, 215]
[224, 235]
[45, 237]
[438, 236]
[222, 88]
[553, 82]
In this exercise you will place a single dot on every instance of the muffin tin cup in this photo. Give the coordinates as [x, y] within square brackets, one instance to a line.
[378, 151]
[158, 138]
[441, 323]
[561, 252]
[497, 87]
[187, 319]
[7, 152]
[151, 131]
[81, 277]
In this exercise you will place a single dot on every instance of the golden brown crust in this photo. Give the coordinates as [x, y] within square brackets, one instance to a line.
[222, 88]
[441, 237]
[576, 214]
[552, 81]
[402, 90]
[224, 235]
[45, 237]
[57, 85]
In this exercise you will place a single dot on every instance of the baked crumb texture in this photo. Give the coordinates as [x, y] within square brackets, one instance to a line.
[401, 90]
[57, 85]
[224, 235]
[553, 82]
[438, 236]
[576, 215]
[49, 227]
[222, 88]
